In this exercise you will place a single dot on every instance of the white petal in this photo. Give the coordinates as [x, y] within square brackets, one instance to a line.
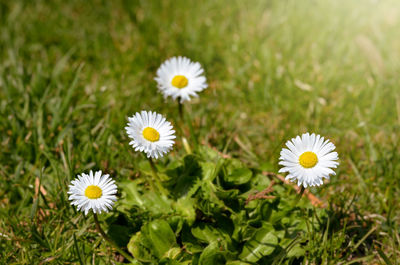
[157, 122]
[312, 176]
[83, 203]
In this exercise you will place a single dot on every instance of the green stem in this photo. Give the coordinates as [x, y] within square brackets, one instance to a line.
[103, 234]
[298, 198]
[192, 132]
[156, 177]
[186, 145]
[180, 107]
[301, 192]
[153, 167]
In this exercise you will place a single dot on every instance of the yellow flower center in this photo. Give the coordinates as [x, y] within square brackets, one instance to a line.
[151, 134]
[308, 159]
[93, 192]
[179, 81]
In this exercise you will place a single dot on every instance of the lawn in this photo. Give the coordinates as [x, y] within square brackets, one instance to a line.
[72, 72]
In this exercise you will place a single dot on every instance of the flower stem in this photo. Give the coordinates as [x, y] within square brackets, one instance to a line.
[189, 123]
[180, 107]
[153, 167]
[156, 177]
[299, 195]
[112, 243]
[301, 192]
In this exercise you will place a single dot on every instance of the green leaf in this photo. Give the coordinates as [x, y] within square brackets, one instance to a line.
[182, 178]
[140, 248]
[237, 262]
[189, 242]
[210, 170]
[155, 240]
[209, 234]
[173, 253]
[148, 201]
[119, 234]
[161, 237]
[205, 233]
[261, 244]
[297, 251]
[208, 153]
[185, 207]
[212, 254]
[227, 194]
[239, 176]
[167, 261]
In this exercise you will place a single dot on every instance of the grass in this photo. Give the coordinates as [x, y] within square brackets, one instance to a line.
[71, 73]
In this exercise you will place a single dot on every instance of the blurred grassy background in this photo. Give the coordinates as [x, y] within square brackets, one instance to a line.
[71, 73]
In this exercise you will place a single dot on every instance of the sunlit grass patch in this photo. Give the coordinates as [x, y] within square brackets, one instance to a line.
[72, 73]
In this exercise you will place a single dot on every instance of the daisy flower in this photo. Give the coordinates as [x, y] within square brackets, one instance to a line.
[93, 191]
[309, 159]
[181, 78]
[150, 133]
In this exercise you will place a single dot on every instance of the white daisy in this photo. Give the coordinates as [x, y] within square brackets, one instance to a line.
[96, 192]
[150, 133]
[181, 78]
[309, 159]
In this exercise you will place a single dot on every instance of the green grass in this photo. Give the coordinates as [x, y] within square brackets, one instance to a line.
[71, 73]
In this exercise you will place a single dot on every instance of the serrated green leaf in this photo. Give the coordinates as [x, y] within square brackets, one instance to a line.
[185, 207]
